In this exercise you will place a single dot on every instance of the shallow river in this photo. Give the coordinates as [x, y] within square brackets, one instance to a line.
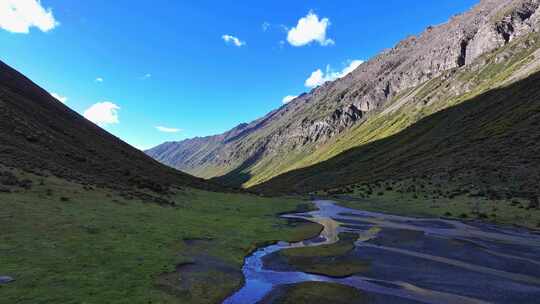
[413, 260]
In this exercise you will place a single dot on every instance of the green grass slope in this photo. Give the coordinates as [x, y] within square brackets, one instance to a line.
[502, 66]
[490, 141]
[42, 135]
[64, 242]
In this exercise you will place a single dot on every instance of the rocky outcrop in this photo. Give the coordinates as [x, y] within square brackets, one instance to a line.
[321, 115]
[515, 19]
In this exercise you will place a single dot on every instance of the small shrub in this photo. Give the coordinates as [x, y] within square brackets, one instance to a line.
[64, 199]
[481, 215]
[448, 213]
[26, 184]
[4, 190]
[533, 203]
[464, 215]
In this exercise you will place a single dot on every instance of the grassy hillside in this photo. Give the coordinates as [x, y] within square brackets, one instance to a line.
[502, 66]
[65, 242]
[489, 142]
[42, 135]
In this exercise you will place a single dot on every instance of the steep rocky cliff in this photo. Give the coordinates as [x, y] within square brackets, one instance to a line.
[295, 134]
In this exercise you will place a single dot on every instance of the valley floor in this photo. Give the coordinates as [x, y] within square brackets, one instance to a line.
[425, 198]
[63, 242]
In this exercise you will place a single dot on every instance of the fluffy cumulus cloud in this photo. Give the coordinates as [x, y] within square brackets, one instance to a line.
[288, 99]
[167, 129]
[315, 79]
[319, 77]
[18, 16]
[59, 97]
[309, 29]
[103, 113]
[233, 40]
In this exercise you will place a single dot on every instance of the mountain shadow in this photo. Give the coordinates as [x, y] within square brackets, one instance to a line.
[492, 141]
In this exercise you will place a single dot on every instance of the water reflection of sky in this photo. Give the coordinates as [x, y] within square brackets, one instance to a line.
[336, 219]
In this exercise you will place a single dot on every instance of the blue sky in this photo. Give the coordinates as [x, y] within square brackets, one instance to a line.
[196, 68]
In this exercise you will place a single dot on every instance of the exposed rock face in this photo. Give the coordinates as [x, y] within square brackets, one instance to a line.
[521, 17]
[314, 118]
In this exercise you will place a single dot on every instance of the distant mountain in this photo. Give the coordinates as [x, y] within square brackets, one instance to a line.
[493, 44]
[39, 134]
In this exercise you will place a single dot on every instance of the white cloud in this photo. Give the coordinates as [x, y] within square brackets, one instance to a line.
[167, 129]
[59, 97]
[309, 29]
[315, 79]
[351, 67]
[141, 147]
[103, 113]
[288, 99]
[266, 26]
[99, 79]
[18, 16]
[319, 77]
[233, 40]
[146, 76]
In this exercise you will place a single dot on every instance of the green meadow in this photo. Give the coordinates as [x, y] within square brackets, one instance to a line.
[63, 242]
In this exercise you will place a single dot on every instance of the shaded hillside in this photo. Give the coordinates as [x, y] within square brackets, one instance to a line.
[418, 76]
[42, 135]
[491, 142]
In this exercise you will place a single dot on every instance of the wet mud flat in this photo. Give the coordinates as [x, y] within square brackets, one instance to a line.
[407, 260]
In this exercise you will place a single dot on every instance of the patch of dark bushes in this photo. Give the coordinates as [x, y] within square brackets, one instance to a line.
[9, 179]
[533, 203]
[481, 215]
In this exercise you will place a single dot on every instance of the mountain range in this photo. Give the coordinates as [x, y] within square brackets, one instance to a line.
[455, 67]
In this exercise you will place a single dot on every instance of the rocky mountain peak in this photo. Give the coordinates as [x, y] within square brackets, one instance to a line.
[315, 118]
